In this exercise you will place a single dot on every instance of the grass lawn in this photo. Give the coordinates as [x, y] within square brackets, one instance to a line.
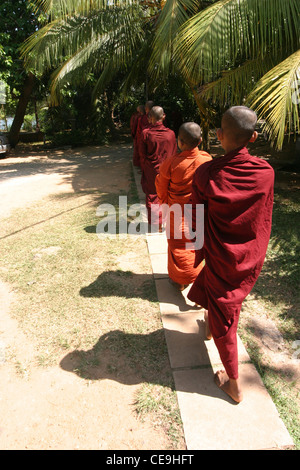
[276, 296]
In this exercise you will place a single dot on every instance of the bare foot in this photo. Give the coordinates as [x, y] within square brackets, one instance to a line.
[229, 386]
[181, 287]
[207, 330]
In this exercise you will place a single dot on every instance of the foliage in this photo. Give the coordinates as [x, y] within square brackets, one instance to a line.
[222, 49]
[232, 44]
[74, 121]
[103, 41]
[18, 21]
[277, 96]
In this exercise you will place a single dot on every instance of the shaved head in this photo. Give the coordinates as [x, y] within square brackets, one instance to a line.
[190, 133]
[149, 105]
[157, 113]
[238, 123]
[141, 109]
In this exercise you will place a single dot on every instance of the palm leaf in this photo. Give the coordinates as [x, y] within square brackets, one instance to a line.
[235, 84]
[60, 9]
[276, 99]
[137, 69]
[173, 15]
[232, 30]
[84, 44]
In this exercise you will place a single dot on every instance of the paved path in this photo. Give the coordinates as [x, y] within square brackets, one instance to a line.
[211, 420]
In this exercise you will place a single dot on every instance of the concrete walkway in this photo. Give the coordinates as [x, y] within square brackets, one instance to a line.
[211, 420]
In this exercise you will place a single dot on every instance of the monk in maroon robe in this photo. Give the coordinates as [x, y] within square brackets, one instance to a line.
[134, 122]
[142, 123]
[157, 143]
[237, 193]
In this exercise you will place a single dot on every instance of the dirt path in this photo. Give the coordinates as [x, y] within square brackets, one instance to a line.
[52, 408]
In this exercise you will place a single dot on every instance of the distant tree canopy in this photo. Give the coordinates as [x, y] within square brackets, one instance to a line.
[18, 21]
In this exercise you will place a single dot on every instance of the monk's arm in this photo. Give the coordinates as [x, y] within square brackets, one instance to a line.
[162, 182]
[197, 197]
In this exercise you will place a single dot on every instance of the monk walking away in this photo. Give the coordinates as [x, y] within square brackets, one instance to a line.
[134, 125]
[156, 144]
[142, 123]
[174, 187]
[237, 193]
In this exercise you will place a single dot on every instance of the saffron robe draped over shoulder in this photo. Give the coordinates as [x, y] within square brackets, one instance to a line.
[237, 192]
[174, 186]
[156, 144]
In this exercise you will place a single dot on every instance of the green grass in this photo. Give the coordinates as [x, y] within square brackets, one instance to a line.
[277, 291]
[75, 294]
[161, 403]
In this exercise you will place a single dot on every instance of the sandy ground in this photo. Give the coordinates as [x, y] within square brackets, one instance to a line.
[52, 408]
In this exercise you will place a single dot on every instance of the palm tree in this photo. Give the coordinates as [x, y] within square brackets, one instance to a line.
[227, 51]
[83, 36]
[246, 51]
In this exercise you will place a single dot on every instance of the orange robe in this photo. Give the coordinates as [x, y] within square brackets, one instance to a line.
[174, 186]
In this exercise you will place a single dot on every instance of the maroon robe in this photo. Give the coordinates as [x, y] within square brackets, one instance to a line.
[156, 144]
[133, 128]
[133, 123]
[142, 123]
[237, 193]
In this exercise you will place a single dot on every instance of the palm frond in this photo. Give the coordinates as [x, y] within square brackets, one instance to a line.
[81, 44]
[137, 69]
[60, 9]
[173, 15]
[74, 69]
[235, 84]
[230, 30]
[276, 99]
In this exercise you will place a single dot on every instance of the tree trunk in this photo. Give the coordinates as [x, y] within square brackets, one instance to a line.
[37, 127]
[110, 122]
[206, 119]
[14, 132]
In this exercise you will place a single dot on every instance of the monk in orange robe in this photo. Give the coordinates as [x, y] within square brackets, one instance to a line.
[174, 186]
[237, 193]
